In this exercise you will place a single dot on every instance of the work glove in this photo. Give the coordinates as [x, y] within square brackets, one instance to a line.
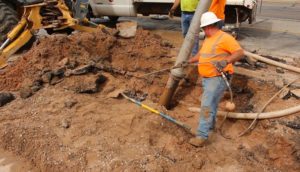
[220, 65]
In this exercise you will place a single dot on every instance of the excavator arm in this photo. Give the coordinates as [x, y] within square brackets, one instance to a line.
[47, 14]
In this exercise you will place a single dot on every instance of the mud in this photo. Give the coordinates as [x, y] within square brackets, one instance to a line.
[98, 133]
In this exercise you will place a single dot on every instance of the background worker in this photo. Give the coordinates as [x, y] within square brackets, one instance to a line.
[218, 52]
[218, 7]
[188, 8]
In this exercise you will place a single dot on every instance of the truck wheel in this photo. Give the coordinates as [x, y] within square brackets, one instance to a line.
[252, 16]
[113, 18]
[68, 31]
[8, 19]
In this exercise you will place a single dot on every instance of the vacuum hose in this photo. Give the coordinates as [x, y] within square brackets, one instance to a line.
[272, 62]
[260, 115]
[266, 115]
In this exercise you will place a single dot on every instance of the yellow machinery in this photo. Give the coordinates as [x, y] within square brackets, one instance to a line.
[49, 14]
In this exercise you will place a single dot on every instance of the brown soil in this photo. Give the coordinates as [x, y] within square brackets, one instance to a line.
[105, 134]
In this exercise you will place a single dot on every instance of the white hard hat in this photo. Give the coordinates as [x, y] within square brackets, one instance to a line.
[208, 18]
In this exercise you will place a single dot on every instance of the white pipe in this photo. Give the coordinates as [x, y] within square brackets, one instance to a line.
[272, 62]
[266, 115]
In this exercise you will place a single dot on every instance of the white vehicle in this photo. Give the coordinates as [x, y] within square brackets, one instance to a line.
[236, 11]
[129, 8]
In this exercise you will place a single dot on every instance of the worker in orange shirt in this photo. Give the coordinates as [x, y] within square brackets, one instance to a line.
[218, 53]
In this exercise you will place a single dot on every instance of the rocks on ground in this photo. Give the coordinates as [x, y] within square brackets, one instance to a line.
[127, 29]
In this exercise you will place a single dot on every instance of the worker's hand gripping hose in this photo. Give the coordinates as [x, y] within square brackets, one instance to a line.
[220, 65]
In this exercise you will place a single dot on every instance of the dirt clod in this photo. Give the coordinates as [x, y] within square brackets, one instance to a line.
[279, 70]
[88, 84]
[26, 92]
[65, 123]
[127, 29]
[198, 163]
[70, 103]
[5, 98]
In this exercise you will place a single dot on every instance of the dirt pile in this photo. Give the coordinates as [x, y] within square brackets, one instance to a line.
[62, 56]
[145, 52]
[61, 52]
[50, 52]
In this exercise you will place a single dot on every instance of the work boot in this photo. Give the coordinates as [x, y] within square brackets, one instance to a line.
[197, 141]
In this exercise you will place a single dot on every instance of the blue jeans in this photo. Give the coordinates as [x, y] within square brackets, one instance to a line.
[186, 20]
[213, 90]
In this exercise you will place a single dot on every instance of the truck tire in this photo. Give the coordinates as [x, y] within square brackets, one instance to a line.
[8, 19]
[113, 18]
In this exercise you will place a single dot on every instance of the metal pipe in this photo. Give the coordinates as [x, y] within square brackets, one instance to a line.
[184, 54]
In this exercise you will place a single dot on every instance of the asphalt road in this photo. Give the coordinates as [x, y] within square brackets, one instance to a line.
[280, 10]
[276, 31]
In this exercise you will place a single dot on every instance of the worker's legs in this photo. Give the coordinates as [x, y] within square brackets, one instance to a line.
[217, 97]
[186, 20]
[213, 89]
[185, 23]
[196, 45]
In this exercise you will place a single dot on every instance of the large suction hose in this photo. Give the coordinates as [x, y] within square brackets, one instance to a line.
[272, 62]
[260, 114]
[266, 115]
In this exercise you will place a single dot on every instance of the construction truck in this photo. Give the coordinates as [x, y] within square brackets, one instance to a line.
[236, 11]
[21, 18]
[129, 8]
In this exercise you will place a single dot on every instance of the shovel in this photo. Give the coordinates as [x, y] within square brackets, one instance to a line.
[117, 93]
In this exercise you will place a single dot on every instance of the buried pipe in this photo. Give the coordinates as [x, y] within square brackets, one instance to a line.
[272, 62]
[266, 115]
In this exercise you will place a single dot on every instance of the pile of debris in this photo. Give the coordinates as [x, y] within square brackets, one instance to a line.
[56, 57]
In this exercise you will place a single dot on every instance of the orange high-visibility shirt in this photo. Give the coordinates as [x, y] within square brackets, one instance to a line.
[218, 7]
[216, 47]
